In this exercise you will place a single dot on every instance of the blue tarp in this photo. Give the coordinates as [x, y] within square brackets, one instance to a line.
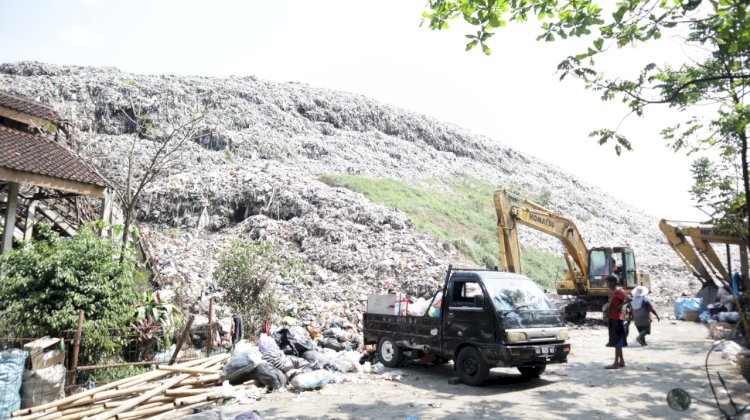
[11, 376]
[683, 304]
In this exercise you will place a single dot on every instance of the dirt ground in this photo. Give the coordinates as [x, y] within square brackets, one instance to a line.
[580, 389]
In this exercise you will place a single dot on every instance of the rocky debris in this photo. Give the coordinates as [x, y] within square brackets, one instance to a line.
[253, 174]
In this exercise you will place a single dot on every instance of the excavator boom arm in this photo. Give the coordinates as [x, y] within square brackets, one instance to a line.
[539, 218]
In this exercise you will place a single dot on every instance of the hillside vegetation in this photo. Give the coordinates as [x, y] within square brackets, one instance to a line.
[460, 212]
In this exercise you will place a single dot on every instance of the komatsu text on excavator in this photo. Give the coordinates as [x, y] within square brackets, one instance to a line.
[585, 281]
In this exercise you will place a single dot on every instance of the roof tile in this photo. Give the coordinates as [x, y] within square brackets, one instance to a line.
[30, 107]
[39, 155]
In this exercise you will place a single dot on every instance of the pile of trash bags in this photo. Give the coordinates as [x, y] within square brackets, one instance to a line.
[292, 356]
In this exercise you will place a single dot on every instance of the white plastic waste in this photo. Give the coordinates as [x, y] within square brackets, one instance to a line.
[314, 379]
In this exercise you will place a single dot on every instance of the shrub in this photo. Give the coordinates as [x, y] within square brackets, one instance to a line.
[246, 274]
[46, 282]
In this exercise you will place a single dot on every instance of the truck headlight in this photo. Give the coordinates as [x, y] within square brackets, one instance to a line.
[516, 337]
[563, 335]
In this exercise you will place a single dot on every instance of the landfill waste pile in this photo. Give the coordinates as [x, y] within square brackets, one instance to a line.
[290, 358]
[255, 170]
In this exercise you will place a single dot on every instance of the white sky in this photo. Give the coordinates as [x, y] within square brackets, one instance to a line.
[377, 49]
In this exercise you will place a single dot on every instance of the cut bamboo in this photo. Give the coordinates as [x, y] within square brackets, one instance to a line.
[175, 414]
[141, 378]
[156, 391]
[146, 411]
[82, 414]
[189, 370]
[202, 380]
[74, 410]
[188, 392]
[37, 416]
[186, 401]
[156, 399]
[50, 416]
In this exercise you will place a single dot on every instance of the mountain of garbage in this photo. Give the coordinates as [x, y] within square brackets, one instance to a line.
[255, 173]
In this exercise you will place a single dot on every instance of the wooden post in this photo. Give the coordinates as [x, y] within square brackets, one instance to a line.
[10, 218]
[76, 348]
[210, 325]
[183, 337]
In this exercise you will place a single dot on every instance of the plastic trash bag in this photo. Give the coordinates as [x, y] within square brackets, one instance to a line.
[240, 366]
[42, 386]
[318, 360]
[378, 368]
[293, 343]
[266, 343]
[269, 376]
[312, 380]
[728, 316]
[683, 304]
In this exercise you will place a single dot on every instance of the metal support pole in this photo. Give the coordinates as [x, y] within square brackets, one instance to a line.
[74, 362]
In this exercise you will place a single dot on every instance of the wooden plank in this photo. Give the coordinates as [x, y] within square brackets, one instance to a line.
[53, 183]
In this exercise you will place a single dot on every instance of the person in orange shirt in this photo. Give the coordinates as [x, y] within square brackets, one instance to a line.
[617, 337]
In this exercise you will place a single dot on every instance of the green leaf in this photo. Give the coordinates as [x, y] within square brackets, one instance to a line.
[598, 44]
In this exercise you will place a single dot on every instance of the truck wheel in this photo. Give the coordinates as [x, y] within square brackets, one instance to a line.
[531, 372]
[388, 352]
[471, 367]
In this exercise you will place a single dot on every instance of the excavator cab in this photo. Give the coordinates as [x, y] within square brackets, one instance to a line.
[617, 261]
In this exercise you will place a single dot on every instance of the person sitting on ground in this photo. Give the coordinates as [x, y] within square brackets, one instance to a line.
[616, 324]
[642, 309]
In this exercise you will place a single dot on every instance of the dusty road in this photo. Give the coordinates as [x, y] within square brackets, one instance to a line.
[580, 389]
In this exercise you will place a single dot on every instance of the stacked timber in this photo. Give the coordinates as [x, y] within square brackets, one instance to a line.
[164, 393]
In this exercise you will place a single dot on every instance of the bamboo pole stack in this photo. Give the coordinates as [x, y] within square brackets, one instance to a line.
[167, 392]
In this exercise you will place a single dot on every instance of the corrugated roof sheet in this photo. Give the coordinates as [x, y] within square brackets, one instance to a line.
[30, 107]
[39, 155]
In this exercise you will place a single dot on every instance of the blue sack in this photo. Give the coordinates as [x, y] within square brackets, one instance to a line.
[683, 304]
[11, 376]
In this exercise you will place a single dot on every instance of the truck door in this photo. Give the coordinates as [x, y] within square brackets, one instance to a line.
[467, 317]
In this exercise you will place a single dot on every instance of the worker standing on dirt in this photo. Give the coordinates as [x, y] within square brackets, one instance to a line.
[617, 337]
[642, 310]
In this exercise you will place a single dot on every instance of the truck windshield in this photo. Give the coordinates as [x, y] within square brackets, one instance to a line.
[517, 294]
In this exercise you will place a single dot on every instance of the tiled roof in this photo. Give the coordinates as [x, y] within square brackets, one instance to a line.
[39, 155]
[30, 107]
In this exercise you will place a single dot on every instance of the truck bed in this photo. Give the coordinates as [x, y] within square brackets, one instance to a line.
[415, 332]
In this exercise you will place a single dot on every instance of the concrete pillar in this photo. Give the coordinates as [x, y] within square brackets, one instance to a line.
[30, 216]
[106, 212]
[10, 218]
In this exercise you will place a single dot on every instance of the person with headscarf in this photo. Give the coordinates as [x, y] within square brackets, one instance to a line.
[642, 310]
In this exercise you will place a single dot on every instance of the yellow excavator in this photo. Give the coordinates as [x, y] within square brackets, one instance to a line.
[701, 259]
[698, 254]
[587, 269]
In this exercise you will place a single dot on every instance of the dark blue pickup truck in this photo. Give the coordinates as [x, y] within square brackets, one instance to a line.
[486, 319]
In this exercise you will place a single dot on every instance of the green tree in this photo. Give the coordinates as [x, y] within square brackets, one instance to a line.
[247, 272]
[718, 30]
[47, 282]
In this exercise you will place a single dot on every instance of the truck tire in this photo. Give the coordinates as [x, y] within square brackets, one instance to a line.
[389, 352]
[471, 367]
[531, 372]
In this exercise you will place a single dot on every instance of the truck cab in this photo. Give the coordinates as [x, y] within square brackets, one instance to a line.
[487, 319]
